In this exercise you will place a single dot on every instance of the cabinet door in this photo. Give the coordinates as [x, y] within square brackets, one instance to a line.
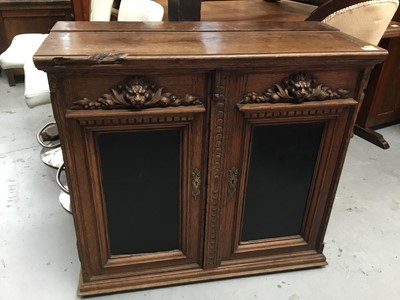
[139, 192]
[279, 174]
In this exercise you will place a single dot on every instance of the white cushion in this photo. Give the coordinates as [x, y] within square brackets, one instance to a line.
[366, 21]
[21, 50]
[100, 10]
[140, 10]
[37, 90]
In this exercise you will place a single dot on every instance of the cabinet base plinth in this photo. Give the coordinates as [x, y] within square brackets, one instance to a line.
[129, 282]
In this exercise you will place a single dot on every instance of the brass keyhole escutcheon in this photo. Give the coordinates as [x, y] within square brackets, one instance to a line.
[196, 183]
[232, 181]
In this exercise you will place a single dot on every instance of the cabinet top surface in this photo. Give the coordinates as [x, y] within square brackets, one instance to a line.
[88, 41]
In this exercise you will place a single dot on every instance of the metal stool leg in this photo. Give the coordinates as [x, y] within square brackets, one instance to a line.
[51, 153]
[65, 201]
[64, 197]
[52, 157]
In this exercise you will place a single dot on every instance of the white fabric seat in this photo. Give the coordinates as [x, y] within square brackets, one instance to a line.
[358, 19]
[21, 50]
[366, 20]
[36, 86]
[129, 10]
[100, 10]
[140, 11]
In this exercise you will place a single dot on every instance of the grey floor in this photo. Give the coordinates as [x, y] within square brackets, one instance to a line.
[38, 257]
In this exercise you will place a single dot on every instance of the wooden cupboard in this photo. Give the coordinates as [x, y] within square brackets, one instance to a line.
[201, 150]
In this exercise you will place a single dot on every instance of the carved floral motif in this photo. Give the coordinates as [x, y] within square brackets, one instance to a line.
[297, 88]
[136, 93]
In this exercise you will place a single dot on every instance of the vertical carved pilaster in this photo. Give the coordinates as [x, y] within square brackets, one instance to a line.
[216, 157]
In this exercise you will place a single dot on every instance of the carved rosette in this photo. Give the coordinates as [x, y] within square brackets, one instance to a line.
[136, 93]
[297, 88]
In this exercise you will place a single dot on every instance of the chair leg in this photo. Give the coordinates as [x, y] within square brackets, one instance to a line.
[371, 136]
[10, 77]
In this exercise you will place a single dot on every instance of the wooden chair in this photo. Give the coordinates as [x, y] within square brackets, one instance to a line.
[365, 20]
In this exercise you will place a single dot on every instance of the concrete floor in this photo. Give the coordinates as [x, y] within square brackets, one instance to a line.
[38, 257]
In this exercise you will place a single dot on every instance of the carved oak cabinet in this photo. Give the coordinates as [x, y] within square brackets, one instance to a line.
[201, 150]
